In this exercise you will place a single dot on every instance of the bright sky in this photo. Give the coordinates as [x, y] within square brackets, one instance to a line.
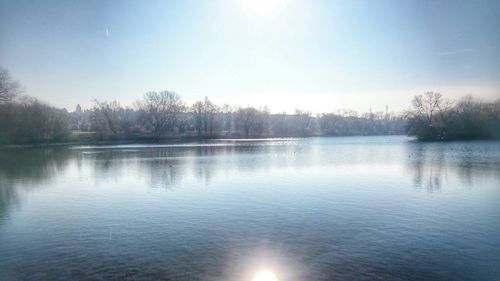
[315, 55]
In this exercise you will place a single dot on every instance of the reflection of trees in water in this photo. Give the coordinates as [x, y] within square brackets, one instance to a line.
[26, 168]
[164, 172]
[204, 166]
[167, 167]
[33, 164]
[429, 170]
[106, 164]
[8, 194]
[435, 164]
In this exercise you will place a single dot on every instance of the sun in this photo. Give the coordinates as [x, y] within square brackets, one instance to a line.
[263, 7]
[265, 275]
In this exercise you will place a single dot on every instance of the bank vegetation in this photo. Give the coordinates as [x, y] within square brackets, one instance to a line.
[160, 116]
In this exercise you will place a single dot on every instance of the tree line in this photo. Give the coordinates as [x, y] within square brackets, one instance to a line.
[163, 115]
[24, 119]
[434, 118]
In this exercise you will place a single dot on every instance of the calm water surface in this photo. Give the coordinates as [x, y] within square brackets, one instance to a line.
[354, 208]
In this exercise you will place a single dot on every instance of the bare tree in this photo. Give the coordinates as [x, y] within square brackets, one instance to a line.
[428, 116]
[304, 123]
[252, 122]
[210, 112]
[8, 88]
[204, 117]
[105, 119]
[226, 121]
[246, 119]
[33, 121]
[198, 108]
[161, 112]
[430, 106]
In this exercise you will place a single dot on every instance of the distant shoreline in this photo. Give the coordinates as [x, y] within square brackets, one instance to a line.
[183, 140]
[171, 140]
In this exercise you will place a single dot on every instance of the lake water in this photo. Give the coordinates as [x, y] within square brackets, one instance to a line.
[349, 208]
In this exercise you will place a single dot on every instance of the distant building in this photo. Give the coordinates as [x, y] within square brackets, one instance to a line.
[76, 116]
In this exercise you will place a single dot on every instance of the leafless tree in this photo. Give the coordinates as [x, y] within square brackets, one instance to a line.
[198, 109]
[205, 121]
[105, 117]
[428, 116]
[304, 124]
[161, 112]
[430, 106]
[252, 122]
[227, 120]
[8, 88]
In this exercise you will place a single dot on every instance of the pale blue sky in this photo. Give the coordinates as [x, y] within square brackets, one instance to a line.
[316, 55]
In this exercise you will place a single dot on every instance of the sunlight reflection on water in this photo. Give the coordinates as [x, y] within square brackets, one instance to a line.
[265, 275]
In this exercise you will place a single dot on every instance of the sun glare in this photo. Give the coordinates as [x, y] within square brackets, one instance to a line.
[263, 7]
[265, 275]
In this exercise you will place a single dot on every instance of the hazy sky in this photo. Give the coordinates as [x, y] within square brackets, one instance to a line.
[316, 55]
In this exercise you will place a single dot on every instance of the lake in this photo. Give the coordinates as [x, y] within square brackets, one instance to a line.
[346, 208]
